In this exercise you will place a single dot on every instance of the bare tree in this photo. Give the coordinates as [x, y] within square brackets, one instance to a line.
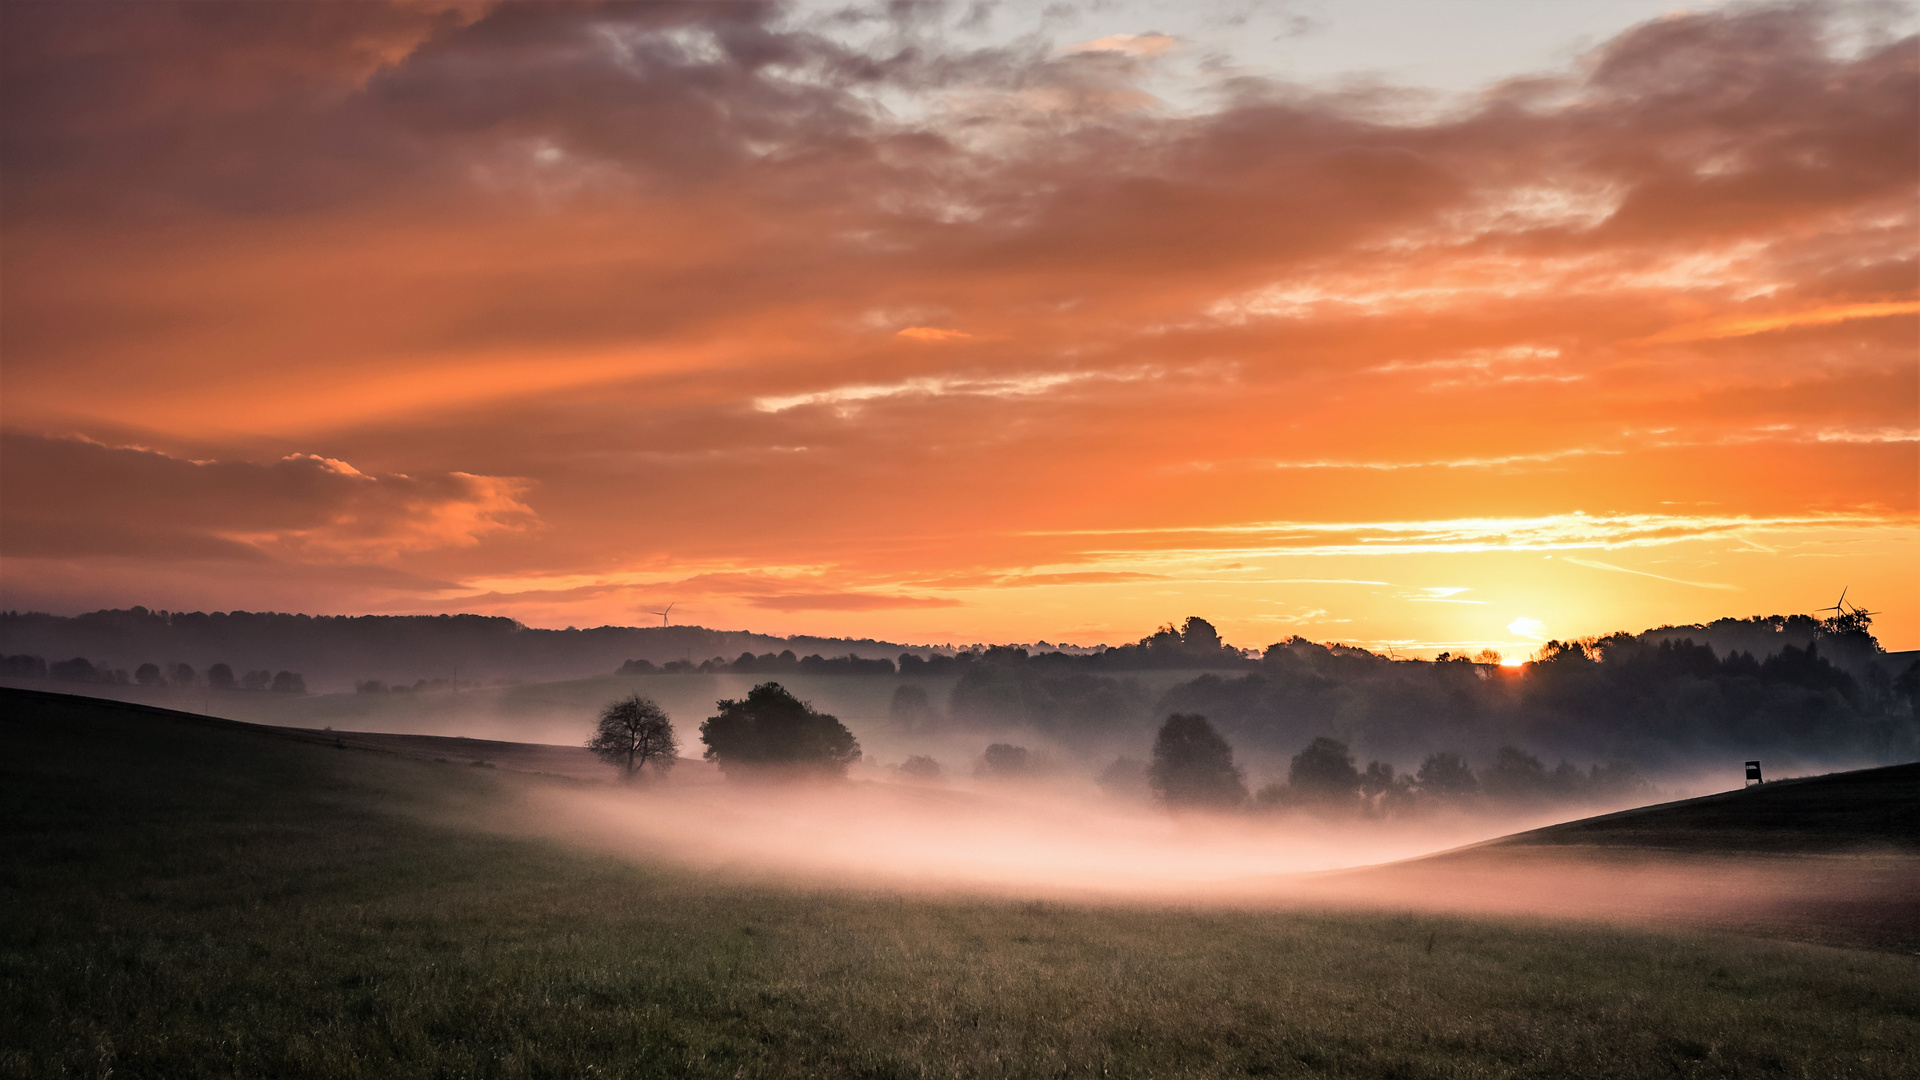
[634, 731]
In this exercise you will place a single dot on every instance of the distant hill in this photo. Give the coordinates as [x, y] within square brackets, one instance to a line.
[335, 651]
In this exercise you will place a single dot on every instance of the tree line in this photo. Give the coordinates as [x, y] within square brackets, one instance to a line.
[771, 733]
[218, 676]
[781, 663]
[1823, 689]
[1195, 645]
[339, 650]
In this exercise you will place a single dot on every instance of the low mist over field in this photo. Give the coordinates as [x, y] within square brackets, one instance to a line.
[883, 539]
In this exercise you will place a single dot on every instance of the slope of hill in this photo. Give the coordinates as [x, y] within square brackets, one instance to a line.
[1863, 810]
[1830, 859]
[194, 897]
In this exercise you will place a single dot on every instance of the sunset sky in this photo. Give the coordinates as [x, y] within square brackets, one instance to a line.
[1413, 325]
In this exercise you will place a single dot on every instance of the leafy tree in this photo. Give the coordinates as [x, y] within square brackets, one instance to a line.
[1193, 766]
[1446, 774]
[256, 680]
[1324, 773]
[921, 768]
[771, 730]
[1377, 780]
[634, 732]
[220, 677]
[288, 682]
[23, 666]
[910, 708]
[1005, 761]
[183, 675]
[78, 669]
[1515, 775]
[148, 674]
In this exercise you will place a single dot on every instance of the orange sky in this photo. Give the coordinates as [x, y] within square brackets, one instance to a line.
[567, 312]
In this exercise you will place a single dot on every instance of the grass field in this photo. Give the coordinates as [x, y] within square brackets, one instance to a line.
[187, 898]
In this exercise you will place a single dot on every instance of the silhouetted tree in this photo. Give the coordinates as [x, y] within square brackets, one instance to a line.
[220, 677]
[910, 708]
[148, 675]
[256, 680]
[1193, 766]
[1446, 774]
[183, 675]
[771, 730]
[1323, 773]
[921, 769]
[634, 732]
[288, 682]
[1515, 775]
[1004, 761]
[78, 669]
[23, 666]
[1377, 780]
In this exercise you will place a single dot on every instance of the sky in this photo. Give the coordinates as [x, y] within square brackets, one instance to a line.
[1424, 327]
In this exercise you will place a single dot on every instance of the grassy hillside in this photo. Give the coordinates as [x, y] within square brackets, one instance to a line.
[191, 898]
[1864, 810]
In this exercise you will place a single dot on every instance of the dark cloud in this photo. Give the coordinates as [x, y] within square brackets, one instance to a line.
[74, 498]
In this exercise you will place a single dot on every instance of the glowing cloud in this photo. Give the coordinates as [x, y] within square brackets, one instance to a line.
[1526, 627]
[931, 333]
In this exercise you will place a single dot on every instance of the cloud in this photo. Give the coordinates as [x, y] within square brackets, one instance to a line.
[932, 386]
[1559, 532]
[847, 602]
[1531, 628]
[1152, 43]
[1642, 573]
[72, 497]
[1744, 326]
[647, 259]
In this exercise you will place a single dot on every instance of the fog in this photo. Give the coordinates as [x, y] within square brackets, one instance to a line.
[1047, 843]
[1025, 840]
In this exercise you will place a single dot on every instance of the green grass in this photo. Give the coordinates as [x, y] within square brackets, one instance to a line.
[184, 899]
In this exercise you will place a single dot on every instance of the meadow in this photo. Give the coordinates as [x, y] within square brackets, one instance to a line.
[187, 897]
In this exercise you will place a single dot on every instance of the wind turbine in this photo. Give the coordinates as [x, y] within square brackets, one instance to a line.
[1844, 612]
[663, 614]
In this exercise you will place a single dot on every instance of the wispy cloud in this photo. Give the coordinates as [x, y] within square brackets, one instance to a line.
[1643, 573]
[1557, 532]
[1004, 386]
[1152, 43]
[1745, 326]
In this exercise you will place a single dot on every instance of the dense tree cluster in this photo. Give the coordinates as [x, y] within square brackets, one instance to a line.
[1649, 698]
[1193, 766]
[772, 732]
[1324, 778]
